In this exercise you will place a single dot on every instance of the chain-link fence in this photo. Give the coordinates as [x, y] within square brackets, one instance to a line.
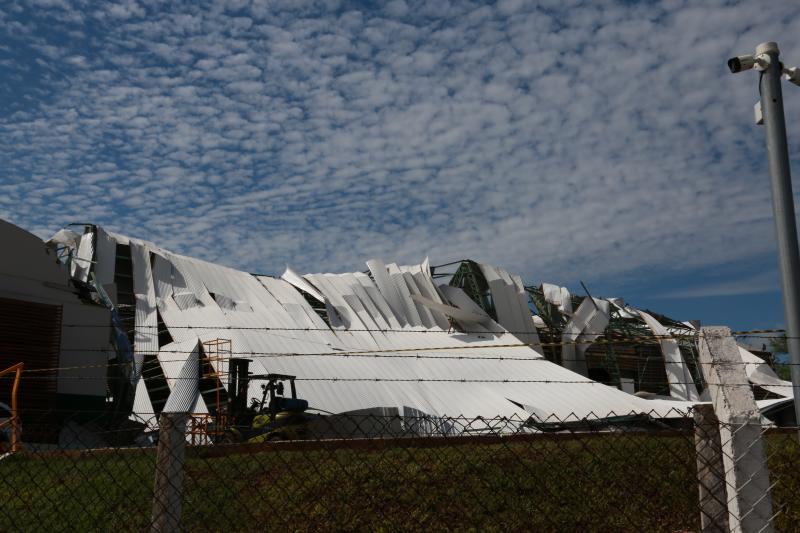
[387, 471]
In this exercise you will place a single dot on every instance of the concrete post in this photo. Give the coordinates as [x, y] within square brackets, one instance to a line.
[168, 490]
[746, 472]
[710, 470]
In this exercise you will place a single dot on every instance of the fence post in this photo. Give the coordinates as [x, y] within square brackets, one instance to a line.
[746, 472]
[168, 489]
[710, 470]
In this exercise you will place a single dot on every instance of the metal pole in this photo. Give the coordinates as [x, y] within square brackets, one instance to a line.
[782, 207]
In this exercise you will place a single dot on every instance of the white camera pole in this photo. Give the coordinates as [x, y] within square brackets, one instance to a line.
[766, 60]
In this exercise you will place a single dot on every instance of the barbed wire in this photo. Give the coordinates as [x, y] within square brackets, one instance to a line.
[413, 353]
[336, 351]
[410, 329]
[278, 355]
[585, 381]
[421, 329]
[404, 353]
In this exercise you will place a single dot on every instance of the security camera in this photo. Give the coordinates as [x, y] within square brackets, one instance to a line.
[741, 63]
[792, 74]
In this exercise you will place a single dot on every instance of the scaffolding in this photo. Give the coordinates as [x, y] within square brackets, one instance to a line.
[205, 428]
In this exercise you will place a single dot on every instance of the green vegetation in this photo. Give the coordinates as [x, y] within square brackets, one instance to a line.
[620, 482]
[780, 350]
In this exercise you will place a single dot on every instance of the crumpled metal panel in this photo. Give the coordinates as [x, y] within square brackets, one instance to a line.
[82, 261]
[145, 340]
[356, 367]
[424, 282]
[384, 283]
[106, 257]
[760, 373]
[511, 304]
[558, 296]
[185, 385]
[461, 315]
[589, 320]
[378, 300]
[65, 237]
[301, 283]
[681, 384]
[409, 308]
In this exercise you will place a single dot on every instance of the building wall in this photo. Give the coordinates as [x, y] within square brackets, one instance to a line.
[41, 309]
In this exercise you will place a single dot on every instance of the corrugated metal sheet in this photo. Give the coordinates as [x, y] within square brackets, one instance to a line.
[419, 367]
[82, 261]
[590, 317]
[511, 303]
[391, 345]
[389, 292]
[298, 281]
[185, 388]
[759, 373]
[408, 358]
[106, 257]
[681, 385]
[146, 337]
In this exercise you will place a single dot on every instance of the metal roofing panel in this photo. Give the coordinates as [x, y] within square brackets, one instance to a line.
[387, 289]
[459, 298]
[378, 299]
[353, 291]
[292, 277]
[360, 292]
[359, 338]
[143, 407]
[589, 320]
[681, 384]
[431, 370]
[106, 257]
[467, 317]
[409, 308]
[760, 373]
[65, 237]
[185, 385]
[424, 313]
[146, 337]
[558, 296]
[82, 261]
[531, 334]
[427, 289]
[285, 294]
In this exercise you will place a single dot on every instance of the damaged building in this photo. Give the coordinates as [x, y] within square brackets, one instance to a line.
[51, 322]
[465, 339]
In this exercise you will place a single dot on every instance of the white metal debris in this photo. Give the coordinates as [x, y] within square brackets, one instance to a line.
[390, 343]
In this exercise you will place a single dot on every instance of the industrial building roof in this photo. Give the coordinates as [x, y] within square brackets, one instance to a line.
[389, 337]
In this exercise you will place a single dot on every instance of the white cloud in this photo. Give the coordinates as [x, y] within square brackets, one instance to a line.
[397, 8]
[554, 142]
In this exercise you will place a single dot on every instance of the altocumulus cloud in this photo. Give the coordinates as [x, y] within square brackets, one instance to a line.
[555, 139]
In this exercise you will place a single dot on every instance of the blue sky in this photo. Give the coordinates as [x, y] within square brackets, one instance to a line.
[561, 140]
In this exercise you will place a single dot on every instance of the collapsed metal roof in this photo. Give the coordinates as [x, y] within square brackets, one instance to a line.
[389, 338]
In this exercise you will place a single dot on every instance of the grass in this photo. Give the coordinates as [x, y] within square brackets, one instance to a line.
[620, 482]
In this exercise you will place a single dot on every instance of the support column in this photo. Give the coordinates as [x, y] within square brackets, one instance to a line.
[746, 472]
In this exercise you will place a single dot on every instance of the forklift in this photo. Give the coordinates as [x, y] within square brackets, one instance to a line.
[272, 417]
